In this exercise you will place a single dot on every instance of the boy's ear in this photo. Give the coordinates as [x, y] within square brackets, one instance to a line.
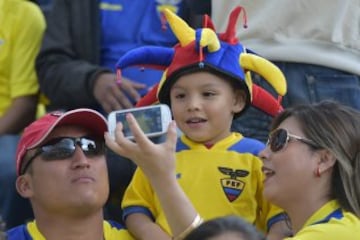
[24, 186]
[239, 101]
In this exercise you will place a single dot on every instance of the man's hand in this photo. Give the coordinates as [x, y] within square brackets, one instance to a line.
[113, 96]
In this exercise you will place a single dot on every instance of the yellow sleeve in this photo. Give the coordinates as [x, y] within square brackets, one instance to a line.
[139, 196]
[28, 31]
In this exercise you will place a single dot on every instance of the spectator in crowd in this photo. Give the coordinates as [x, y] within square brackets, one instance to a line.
[22, 27]
[76, 64]
[318, 146]
[228, 227]
[205, 86]
[77, 60]
[61, 168]
[320, 159]
[315, 43]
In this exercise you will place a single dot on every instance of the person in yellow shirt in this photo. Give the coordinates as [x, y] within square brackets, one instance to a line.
[62, 170]
[206, 84]
[311, 168]
[22, 26]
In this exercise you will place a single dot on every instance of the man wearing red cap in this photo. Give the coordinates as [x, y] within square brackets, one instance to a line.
[61, 169]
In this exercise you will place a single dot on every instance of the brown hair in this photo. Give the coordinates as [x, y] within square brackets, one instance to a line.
[227, 224]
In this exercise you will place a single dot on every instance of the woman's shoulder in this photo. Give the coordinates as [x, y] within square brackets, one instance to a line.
[346, 227]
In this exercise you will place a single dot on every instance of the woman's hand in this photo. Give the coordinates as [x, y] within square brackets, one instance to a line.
[155, 160]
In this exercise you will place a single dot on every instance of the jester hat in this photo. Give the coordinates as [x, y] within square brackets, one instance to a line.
[204, 50]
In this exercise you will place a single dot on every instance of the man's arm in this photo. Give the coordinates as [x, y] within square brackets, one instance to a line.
[65, 77]
[21, 112]
[22, 82]
[67, 65]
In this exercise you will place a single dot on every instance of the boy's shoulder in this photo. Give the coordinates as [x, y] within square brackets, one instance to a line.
[248, 145]
[236, 142]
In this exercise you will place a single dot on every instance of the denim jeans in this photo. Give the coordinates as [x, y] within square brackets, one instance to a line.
[306, 84]
[14, 209]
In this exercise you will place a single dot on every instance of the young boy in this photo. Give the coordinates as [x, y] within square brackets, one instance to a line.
[206, 87]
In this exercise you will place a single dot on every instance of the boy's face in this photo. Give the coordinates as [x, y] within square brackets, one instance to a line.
[203, 106]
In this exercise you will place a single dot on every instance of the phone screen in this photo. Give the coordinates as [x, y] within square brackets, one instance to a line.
[149, 121]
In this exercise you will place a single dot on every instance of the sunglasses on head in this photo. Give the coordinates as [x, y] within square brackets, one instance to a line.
[279, 138]
[64, 147]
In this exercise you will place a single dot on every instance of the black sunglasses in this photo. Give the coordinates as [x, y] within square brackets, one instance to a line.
[64, 147]
[279, 138]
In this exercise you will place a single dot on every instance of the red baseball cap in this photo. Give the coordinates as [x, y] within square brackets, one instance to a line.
[36, 132]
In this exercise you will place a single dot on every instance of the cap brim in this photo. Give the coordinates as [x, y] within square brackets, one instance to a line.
[86, 118]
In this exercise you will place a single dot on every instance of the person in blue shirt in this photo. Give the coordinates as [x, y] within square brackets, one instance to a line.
[83, 41]
[76, 63]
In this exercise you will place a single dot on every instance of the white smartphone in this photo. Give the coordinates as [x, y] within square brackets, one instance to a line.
[153, 120]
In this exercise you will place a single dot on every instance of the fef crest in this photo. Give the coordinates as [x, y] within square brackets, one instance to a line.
[232, 186]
